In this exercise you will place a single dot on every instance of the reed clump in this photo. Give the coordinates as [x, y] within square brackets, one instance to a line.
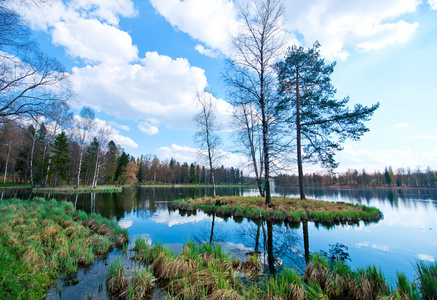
[41, 240]
[204, 271]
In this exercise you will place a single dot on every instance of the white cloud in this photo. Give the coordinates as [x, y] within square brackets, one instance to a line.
[147, 128]
[94, 41]
[209, 21]
[362, 24]
[105, 10]
[158, 90]
[116, 125]
[433, 4]
[86, 28]
[208, 52]
[401, 125]
[191, 155]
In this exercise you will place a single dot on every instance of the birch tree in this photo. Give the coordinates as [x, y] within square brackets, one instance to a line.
[206, 137]
[255, 50]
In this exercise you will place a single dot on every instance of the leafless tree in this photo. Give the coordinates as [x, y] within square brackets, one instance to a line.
[256, 48]
[31, 84]
[84, 125]
[102, 138]
[206, 136]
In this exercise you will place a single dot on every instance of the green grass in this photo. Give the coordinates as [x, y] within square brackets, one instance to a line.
[41, 240]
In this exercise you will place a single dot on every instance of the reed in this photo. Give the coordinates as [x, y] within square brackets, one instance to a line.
[427, 277]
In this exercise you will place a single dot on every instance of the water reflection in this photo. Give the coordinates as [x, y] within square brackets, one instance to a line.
[406, 234]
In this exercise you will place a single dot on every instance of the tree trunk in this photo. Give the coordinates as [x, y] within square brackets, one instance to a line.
[306, 242]
[299, 147]
[7, 161]
[31, 156]
[96, 170]
[80, 166]
[268, 198]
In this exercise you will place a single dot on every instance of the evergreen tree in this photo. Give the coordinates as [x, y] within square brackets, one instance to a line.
[122, 162]
[193, 173]
[60, 157]
[321, 122]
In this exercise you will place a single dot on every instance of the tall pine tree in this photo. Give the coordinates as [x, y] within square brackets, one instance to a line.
[321, 122]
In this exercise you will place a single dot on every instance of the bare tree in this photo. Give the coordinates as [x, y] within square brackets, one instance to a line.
[31, 84]
[84, 125]
[9, 138]
[255, 50]
[206, 137]
[102, 138]
[248, 137]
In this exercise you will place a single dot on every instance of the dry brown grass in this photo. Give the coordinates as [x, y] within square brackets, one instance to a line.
[224, 295]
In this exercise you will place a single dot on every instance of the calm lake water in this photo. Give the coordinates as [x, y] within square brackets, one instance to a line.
[406, 234]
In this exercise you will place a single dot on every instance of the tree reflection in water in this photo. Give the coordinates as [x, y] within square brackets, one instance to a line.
[276, 245]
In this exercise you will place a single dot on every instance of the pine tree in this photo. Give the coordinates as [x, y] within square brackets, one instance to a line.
[60, 157]
[321, 122]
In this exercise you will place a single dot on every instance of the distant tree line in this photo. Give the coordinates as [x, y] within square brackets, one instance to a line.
[32, 153]
[401, 177]
[152, 170]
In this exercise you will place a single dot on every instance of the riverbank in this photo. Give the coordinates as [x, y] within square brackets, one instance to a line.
[42, 240]
[282, 209]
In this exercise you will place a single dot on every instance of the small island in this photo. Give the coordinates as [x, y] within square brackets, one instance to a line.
[282, 209]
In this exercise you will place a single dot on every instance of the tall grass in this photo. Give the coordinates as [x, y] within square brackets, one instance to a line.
[41, 240]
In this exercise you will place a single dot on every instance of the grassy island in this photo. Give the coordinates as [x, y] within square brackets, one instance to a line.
[81, 189]
[282, 209]
[41, 240]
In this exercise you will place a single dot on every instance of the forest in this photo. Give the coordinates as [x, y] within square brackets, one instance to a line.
[401, 177]
[30, 155]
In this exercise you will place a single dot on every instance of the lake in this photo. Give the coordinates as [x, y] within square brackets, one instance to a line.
[406, 234]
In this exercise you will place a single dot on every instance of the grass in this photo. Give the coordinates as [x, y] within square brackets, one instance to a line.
[203, 271]
[283, 209]
[41, 240]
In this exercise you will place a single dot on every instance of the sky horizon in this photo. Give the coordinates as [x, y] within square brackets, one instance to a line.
[139, 63]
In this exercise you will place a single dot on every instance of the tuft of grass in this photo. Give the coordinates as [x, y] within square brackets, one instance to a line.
[116, 283]
[427, 276]
[141, 285]
[41, 240]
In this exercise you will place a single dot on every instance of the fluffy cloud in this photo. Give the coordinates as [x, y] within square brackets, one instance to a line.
[191, 155]
[147, 128]
[208, 52]
[377, 160]
[363, 24]
[94, 41]
[159, 90]
[86, 28]
[209, 21]
[339, 26]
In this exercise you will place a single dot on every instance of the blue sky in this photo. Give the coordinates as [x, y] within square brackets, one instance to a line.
[139, 63]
